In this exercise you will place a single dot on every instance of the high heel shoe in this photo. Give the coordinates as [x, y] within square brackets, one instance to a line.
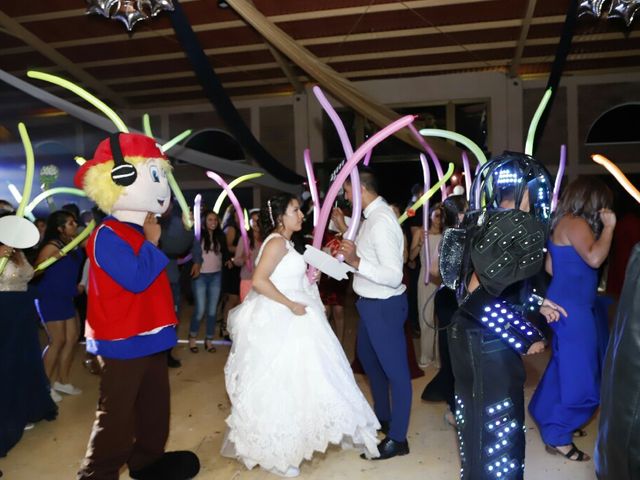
[208, 345]
[580, 456]
[192, 345]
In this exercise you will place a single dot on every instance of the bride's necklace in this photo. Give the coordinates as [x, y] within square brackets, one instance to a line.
[288, 240]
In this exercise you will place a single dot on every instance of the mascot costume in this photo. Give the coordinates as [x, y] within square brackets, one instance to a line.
[130, 318]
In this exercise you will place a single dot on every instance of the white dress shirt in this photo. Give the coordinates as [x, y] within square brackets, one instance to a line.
[379, 245]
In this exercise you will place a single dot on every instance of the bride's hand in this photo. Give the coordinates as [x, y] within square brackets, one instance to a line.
[298, 308]
[316, 276]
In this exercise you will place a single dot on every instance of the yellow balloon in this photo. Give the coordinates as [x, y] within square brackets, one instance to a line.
[428, 194]
[68, 247]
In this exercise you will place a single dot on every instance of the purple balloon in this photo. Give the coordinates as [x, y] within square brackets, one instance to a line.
[467, 173]
[426, 178]
[313, 185]
[197, 207]
[433, 156]
[356, 207]
[239, 213]
[556, 186]
[346, 170]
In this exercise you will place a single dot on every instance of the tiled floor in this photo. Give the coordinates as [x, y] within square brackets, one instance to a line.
[53, 450]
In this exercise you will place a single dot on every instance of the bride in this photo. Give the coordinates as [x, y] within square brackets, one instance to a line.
[291, 387]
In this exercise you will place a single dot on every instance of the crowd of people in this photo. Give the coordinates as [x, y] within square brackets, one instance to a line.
[254, 299]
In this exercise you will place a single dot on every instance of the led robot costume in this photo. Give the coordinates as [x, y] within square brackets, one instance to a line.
[504, 247]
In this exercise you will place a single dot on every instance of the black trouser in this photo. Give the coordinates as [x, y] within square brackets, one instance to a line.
[132, 420]
[489, 385]
[441, 387]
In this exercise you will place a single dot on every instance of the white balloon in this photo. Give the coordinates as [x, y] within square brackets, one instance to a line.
[18, 232]
[326, 263]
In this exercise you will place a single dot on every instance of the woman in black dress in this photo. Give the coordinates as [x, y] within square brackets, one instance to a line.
[440, 388]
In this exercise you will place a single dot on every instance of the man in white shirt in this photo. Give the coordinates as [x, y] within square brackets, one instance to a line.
[377, 255]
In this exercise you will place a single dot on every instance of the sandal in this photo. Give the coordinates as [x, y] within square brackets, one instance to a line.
[581, 456]
[579, 433]
[208, 345]
[192, 345]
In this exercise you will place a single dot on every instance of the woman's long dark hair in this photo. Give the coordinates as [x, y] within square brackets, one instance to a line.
[229, 218]
[216, 239]
[451, 207]
[251, 233]
[271, 212]
[584, 197]
[54, 222]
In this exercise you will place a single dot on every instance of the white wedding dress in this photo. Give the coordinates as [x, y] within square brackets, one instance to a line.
[291, 387]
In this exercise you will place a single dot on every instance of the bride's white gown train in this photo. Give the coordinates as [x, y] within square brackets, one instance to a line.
[291, 387]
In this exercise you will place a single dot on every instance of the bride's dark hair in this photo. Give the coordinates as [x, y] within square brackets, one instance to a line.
[271, 212]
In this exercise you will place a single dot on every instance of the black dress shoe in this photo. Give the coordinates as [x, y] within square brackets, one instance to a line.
[390, 448]
[180, 465]
[384, 427]
[173, 362]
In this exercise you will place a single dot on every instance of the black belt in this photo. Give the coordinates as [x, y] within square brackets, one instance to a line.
[360, 297]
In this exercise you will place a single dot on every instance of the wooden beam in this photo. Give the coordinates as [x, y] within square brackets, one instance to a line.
[356, 37]
[287, 17]
[587, 38]
[17, 30]
[524, 33]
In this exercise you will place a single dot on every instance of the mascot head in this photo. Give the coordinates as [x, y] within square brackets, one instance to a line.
[128, 172]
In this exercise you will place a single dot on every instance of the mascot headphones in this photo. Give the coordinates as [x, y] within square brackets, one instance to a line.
[122, 173]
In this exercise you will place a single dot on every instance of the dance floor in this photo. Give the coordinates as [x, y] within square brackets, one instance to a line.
[53, 450]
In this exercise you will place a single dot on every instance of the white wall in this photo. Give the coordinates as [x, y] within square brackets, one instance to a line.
[507, 129]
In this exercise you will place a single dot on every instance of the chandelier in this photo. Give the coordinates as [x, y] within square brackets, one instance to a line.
[128, 12]
[621, 9]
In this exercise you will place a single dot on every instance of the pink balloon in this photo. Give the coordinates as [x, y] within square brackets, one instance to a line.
[467, 173]
[239, 213]
[556, 186]
[346, 170]
[356, 204]
[367, 158]
[197, 207]
[433, 156]
[313, 185]
[183, 260]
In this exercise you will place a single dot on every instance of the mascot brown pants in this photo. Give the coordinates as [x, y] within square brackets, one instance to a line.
[132, 420]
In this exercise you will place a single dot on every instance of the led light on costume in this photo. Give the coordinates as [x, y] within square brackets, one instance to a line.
[502, 245]
[508, 322]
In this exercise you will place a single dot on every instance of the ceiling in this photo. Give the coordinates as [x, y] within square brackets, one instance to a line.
[361, 39]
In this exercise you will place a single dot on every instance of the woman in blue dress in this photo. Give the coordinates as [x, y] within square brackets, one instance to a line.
[569, 393]
[56, 289]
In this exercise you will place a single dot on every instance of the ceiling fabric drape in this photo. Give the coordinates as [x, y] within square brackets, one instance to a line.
[332, 81]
